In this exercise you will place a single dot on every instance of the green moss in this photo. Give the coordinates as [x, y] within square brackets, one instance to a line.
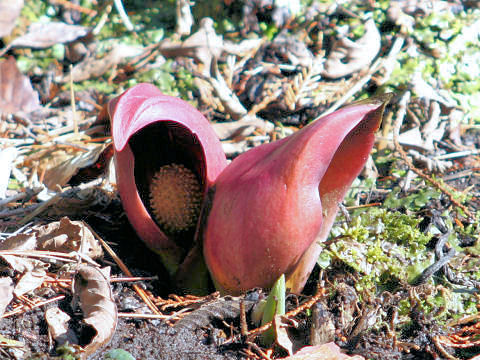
[384, 247]
[387, 251]
[453, 37]
[169, 80]
[414, 201]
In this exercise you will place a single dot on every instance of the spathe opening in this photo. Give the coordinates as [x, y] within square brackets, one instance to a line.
[164, 143]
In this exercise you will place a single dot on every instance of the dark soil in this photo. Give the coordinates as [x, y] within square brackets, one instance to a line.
[144, 339]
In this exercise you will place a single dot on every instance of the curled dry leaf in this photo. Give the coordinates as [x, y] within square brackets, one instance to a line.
[242, 48]
[281, 333]
[31, 280]
[16, 92]
[323, 329]
[328, 351]
[22, 242]
[67, 236]
[219, 309]
[61, 165]
[349, 56]
[242, 128]
[57, 322]
[80, 199]
[60, 236]
[426, 91]
[6, 293]
[10, 10]
[93, 67]
[233, 149]
[44, 35]
[203, 46]
[91, 287]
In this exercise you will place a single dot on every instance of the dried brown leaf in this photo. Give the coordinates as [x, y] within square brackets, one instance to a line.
[60, 236]
[10, 10]
[281, 333]
[184, 17]
[349, 56]
[79, 200]
[322, 330]
[91, 287]
[16, 92]
[426, 91]
[67, 236]
[242, 128]
[6, 293]
[30, 280]
[22, 242]
[93, 67]
[244, 47]
[61, 165]
[233, 149]
[203, 45]
[219, 309]
[44, 35]
[57, 321]
[328, 351]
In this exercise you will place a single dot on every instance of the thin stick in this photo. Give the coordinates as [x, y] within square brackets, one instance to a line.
[72, 100]
[124, 268]
[112, 280]
[13, 212]
[41, 303]
[20, 196]
[362, 206]
[68, 5]
[457, 154]
[149, 316]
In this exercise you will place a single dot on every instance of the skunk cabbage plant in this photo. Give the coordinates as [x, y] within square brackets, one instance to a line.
[261, 216]
[275, 203]
[166, 157]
